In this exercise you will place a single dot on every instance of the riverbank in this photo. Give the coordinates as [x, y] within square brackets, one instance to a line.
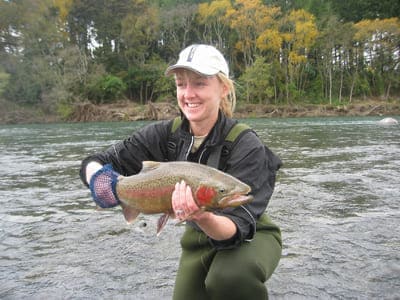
[129, 111]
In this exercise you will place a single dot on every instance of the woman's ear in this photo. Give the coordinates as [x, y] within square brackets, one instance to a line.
[225, 90]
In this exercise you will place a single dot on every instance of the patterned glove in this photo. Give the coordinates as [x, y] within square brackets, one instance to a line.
[103, 187]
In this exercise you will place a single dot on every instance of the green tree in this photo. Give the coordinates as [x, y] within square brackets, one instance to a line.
[177, 30]
[380, 40]
[333, 58]
[259, 82]
[356, 10]
[138, 33]
[33, 66]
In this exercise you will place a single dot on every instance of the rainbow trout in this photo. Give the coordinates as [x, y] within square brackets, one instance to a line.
[150, 191]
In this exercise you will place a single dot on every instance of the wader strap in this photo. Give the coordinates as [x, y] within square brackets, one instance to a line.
[215, 156]
[176, 123]
[234, 132]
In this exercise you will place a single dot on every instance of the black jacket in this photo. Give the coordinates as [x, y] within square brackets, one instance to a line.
[246, 159]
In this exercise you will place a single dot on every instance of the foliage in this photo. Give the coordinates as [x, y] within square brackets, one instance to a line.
[356, 10]
[54, 53]
[22, 87]
[106, 89]
[258, 82]
[4, 79]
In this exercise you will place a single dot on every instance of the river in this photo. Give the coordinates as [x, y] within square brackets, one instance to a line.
[336, 200]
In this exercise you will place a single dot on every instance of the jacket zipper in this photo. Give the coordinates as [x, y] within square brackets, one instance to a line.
[201, 154]
[190, 148]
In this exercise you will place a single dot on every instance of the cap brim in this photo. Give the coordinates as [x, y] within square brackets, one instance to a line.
[199, 70]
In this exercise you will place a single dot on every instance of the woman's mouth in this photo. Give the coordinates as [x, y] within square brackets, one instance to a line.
[193, 105]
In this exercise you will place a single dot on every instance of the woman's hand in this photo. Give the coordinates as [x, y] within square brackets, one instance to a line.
[183, 204]
[185, 208]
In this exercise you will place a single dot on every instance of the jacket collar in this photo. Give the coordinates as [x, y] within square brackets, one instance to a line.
[217, 133]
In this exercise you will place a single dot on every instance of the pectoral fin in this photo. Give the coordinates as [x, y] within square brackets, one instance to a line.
[130, 213]
[161, 222]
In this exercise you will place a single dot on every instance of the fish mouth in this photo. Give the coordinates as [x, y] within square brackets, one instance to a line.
[235, 200]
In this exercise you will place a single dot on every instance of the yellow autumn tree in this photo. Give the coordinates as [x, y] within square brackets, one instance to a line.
[63, 7]
[299, 32]
[248, 18]
[213, 16]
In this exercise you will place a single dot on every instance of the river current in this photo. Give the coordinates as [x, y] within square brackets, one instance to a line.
[337, 201]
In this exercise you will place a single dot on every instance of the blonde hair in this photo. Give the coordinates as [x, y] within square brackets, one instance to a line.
[228, 103]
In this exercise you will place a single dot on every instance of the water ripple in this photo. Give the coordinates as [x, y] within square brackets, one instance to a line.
[336, 201]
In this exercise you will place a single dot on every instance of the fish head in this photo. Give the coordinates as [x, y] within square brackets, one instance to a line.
[222, 191]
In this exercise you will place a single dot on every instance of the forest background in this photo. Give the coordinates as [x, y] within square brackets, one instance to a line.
[83, 60]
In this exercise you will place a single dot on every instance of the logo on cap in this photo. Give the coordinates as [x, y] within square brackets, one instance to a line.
[191, 53]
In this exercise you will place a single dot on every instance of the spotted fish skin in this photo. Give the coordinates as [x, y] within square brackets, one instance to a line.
[150, 191]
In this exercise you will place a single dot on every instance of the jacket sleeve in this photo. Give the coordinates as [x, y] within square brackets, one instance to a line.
[253, 163]
[148, 143]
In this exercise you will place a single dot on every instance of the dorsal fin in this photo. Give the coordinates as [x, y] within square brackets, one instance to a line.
[149, 165]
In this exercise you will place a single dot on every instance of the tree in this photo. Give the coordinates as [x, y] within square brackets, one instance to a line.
[35, 70]
[177, 30]
[213, 16]
[248, 18]
[299, 33]
[334, 56]
[356, 10]
[139, 31]
[380, 40]
[258, 78]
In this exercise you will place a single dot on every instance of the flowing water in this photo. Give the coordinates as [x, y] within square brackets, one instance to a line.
[336, 200]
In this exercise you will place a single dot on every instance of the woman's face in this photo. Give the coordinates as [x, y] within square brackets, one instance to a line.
[199, 96]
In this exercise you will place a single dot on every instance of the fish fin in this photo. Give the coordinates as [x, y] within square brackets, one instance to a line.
[148, 165]
[130, 213]
[161, 223]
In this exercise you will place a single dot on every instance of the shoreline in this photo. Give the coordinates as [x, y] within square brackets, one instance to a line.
[129, 111]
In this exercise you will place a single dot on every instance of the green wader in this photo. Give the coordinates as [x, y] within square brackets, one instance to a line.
[240, 273]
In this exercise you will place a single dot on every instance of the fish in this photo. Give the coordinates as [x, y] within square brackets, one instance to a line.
[150, 191]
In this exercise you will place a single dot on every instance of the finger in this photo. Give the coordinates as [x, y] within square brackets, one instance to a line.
[192, 205]
[175, 200]
[183, 197]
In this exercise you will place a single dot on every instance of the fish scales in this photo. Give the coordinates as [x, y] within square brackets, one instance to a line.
[150, 191]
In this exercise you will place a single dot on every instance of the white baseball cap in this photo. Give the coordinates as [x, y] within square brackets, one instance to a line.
[202, 59]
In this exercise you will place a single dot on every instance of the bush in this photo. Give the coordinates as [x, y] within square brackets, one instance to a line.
[106, 89]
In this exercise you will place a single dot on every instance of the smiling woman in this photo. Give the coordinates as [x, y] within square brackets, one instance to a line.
[203, 86]
[199, 99]
[251, 242]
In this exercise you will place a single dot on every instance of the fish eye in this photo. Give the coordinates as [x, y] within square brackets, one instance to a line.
[222, 190]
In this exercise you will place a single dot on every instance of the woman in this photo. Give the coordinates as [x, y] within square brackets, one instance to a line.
[227, 254]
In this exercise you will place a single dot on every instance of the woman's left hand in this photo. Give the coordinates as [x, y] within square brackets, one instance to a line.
[185, 208]
[183, 204]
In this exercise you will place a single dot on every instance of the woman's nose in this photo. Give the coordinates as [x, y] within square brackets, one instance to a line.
[189, 91]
